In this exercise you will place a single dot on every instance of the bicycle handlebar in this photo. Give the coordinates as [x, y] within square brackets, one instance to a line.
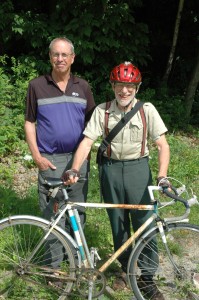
[58, 182]
[176, 197]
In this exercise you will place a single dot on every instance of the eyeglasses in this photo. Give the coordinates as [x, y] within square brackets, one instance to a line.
[63, 55]
[121, 85]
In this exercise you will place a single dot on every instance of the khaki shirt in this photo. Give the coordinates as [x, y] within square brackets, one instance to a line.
[128, 142]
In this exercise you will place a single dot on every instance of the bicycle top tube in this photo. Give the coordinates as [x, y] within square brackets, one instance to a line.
[58, 183]
[110, 205]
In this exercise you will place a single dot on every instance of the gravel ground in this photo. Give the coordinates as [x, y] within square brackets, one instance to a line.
[24, 177]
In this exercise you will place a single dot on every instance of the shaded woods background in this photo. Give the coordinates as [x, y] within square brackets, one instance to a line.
[105, 33]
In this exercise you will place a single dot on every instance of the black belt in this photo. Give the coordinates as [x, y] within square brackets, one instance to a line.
[114, 161]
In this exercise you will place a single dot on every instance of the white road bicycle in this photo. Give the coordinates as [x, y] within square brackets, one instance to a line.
[27, 268]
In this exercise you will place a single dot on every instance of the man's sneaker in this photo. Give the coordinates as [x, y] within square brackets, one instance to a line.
[149, 289]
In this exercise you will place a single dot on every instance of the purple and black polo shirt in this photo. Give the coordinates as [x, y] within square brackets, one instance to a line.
[60, 116]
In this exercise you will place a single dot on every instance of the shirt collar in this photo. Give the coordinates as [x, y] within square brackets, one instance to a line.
[72, 79]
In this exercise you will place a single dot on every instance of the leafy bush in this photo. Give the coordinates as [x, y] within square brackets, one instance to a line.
[12, 102]
[170, 107]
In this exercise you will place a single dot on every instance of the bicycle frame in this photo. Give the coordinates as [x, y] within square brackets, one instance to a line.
[88, 258]
[80, 237]
[88, 261]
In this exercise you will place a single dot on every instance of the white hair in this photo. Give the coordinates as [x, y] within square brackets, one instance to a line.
[64, 39]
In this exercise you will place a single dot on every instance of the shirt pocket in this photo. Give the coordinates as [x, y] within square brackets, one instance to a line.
[136, 131]
[112, 121]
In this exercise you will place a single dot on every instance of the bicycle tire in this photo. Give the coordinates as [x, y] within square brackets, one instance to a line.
[177, 280]
[42, 276]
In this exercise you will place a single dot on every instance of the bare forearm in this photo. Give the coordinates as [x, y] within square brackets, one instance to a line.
[30, 132]
[72, 176]
[163, 156]
[82, 153]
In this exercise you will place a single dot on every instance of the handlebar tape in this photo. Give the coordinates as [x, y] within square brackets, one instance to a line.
[175, 196]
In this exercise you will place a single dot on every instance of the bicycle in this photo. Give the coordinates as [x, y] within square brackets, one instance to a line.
[27, 271]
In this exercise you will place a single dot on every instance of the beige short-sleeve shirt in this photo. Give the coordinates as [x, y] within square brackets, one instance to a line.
[128, 142]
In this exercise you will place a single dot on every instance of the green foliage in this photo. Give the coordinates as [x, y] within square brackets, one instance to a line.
[170, 107]
[12, 102]
[120, 30]
[183, 166]
[11, 203]
[185, 161]
[113, 27]
[109, 31]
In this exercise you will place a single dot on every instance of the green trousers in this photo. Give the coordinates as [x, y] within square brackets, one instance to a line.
[126, 182]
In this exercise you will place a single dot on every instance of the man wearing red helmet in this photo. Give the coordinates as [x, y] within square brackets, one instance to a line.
[125, 173]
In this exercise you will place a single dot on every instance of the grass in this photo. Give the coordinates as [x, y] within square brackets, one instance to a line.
[183, 166]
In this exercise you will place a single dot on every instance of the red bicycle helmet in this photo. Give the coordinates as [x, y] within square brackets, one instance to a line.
[126, 72]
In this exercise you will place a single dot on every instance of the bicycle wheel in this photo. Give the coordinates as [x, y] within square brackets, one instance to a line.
[174, 273]
[29, 268]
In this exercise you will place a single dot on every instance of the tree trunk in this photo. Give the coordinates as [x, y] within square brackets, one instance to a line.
[175, 37]
[191, 89]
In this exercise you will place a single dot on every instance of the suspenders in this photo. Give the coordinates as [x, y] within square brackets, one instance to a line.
[141, 110]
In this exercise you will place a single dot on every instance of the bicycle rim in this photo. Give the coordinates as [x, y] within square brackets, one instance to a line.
[25, 273]
[174, 274]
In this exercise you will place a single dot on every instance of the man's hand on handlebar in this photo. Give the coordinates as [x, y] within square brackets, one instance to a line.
[70, 176]
[164, 182]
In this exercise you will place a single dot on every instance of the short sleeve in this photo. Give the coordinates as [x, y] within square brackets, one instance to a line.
[155, 124]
